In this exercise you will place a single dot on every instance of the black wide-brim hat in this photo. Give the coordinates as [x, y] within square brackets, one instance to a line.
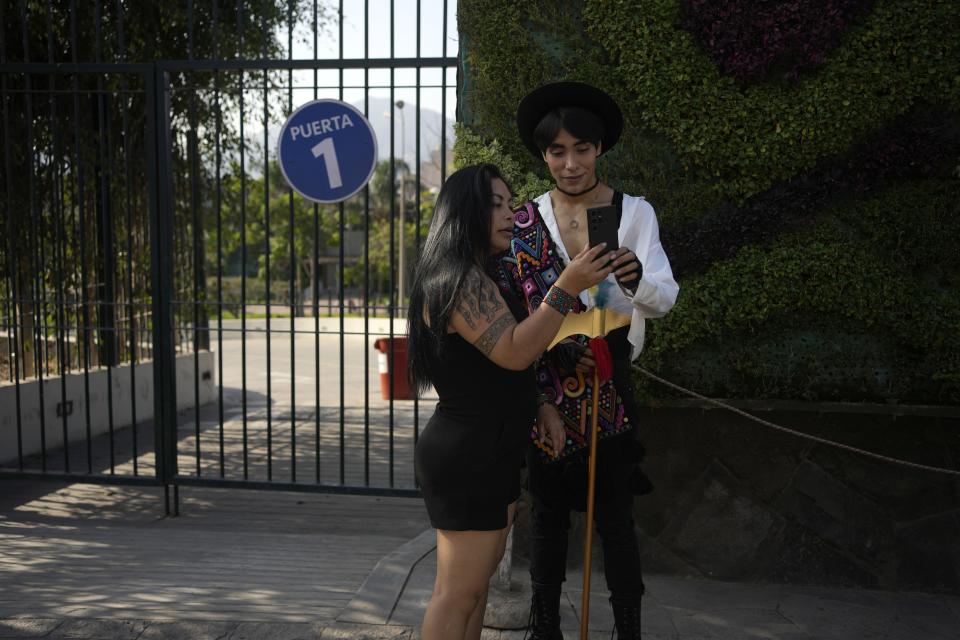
[536, 104]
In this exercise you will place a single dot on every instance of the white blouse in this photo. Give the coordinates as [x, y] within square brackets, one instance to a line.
[657, 290]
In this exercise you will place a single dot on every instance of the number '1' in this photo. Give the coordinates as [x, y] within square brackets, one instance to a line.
[326, 149]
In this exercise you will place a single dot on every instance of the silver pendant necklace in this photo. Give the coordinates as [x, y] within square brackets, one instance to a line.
[575, 223]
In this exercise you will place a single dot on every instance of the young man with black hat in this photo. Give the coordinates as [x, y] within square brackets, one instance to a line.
[569, 125]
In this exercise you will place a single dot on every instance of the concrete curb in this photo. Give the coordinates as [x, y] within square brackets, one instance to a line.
[131, 629]
[377, 597]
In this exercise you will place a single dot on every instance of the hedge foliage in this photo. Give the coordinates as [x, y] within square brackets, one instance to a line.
[749, 40]
[901, 52]
[857, 269]
[813, 213]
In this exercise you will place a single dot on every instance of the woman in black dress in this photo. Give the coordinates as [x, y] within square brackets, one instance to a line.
[467, 343]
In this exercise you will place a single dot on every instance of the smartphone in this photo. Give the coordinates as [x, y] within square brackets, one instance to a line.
[602, 226]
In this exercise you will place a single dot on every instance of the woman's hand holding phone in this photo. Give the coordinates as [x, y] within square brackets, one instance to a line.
[587, 268]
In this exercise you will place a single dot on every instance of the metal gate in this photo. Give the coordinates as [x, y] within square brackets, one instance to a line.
[173, 313]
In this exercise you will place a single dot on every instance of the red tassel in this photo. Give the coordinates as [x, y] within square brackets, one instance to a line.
[603, 358]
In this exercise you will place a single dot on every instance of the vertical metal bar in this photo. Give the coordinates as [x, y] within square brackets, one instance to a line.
[15, 287]
[153, 148]
[43, 349]
[44, 218]
[166, 351]
[84, 288]
[110, 164]
[366, 262]
[128, 187]
[106, 322]
[109, 269]
[443, 104]
[57, 192]
[197, 230]
[161, 267]
[315, 270]
[243, 253]
[294, 271]
[340, 279]
[416, 251]
[393, 210]
[106, 311]
[12, 302]
[38, 308]
[266, 234]
[83, 333]
[14, 268]
[218, 125]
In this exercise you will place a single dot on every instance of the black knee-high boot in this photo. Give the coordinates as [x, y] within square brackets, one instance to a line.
[545, 613]
[626, 615]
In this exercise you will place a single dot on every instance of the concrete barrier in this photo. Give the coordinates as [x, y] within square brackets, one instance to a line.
[75, 403]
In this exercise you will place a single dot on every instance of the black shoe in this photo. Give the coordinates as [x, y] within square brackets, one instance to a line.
[626, 616]
[544, 621]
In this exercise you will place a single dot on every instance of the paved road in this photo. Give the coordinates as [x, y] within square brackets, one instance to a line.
[293, 364]
[294, 429]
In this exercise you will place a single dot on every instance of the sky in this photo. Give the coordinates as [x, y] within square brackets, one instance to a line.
[404, 44]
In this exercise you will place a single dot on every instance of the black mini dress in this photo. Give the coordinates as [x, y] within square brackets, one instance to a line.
[468, 457]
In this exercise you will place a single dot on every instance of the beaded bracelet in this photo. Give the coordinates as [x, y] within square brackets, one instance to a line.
[542, 399]
[560, 300]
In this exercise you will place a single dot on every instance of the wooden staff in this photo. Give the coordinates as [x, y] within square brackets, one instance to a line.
[594, 324]
[591, 491]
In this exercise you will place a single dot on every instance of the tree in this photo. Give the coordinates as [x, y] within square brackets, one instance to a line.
[383, 190]
[75, 202]
[246, 226]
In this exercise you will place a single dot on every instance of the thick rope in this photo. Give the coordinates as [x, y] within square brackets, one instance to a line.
[799, 434]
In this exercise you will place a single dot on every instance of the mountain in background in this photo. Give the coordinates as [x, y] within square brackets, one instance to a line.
[429, 129]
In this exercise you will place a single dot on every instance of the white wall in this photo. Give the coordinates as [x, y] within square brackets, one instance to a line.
[99, 419]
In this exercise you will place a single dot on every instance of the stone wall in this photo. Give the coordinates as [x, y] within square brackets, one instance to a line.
[736, 500]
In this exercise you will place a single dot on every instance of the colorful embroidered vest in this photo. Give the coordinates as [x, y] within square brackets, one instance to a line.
[527, 272]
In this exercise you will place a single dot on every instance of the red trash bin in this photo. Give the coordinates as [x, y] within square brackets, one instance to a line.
[401, 387]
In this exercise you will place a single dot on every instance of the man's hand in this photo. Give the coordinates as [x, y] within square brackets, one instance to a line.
[550, 429]
[566, 355]
[586, 363]
[571, 357]
[627, 268]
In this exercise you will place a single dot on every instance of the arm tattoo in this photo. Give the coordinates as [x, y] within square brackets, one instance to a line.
[478, 299]
[488, 340]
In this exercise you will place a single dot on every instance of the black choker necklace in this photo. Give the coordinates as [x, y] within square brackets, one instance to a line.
[574, 195]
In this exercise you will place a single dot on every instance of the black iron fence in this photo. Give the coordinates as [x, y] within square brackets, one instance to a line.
[172, 313]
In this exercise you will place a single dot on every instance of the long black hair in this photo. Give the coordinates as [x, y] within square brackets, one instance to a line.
[458, 241]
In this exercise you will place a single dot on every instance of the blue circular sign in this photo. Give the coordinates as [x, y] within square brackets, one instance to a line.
[327, 150]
